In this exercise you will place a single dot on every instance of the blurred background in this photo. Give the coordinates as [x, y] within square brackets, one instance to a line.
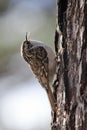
[23, 102]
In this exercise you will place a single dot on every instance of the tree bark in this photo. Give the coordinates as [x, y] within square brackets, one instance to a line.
[70, 85]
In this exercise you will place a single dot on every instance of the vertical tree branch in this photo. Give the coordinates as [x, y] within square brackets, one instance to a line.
[70, 85]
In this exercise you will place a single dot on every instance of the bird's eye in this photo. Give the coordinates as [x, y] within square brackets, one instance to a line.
[26, 42]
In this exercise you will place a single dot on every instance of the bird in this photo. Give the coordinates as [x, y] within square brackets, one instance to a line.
[42, 60]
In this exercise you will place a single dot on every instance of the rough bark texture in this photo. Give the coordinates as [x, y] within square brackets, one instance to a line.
[71, 81]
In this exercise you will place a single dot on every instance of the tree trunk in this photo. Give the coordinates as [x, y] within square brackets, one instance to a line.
[70, 85]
